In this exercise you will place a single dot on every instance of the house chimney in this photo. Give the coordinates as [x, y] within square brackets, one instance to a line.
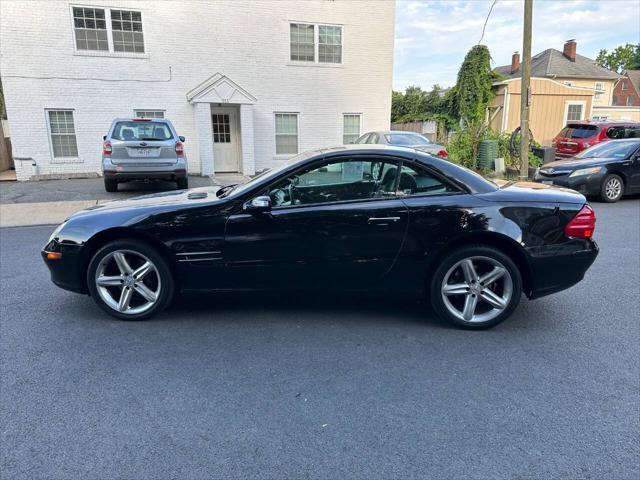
[570, 49]
[515, 62]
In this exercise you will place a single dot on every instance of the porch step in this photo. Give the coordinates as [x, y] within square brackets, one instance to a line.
[228, 178]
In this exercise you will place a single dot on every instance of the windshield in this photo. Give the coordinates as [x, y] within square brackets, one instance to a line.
[613, 149]
[267, 174]
[139, 131]
[406, 139]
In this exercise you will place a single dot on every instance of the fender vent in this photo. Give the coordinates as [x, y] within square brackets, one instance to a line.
[197, 195]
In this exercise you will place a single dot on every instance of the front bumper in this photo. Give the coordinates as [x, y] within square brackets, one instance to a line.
[168, 170]
[66, 272]
[588, 185]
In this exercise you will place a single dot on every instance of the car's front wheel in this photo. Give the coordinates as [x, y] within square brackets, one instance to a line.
[130, 280]
[476, 287]
[612, 188]
[110, 185]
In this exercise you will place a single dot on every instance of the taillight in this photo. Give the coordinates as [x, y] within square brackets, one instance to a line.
[582, 225]
[443, 153]
[179, 149]
[106, 148]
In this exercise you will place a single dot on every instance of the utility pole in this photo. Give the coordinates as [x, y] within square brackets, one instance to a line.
[525, 90]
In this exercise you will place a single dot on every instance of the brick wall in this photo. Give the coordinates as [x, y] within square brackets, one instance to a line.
[246, 41]
[624, 89]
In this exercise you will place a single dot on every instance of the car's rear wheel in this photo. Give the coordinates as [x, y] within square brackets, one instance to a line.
[183, 183]
[612, 188]
[110, 185]
[129, 280]
[476, 287]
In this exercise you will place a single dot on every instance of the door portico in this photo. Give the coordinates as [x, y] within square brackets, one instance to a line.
[224, 124]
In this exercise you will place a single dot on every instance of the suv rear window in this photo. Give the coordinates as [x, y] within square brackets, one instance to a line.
[578, 131]
[139, 131]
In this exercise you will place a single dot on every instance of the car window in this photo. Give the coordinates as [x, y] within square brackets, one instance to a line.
[418, 181]
[578, 131]
[138, 131]
[363, 138]
[406, 139]
[373, 138]
[336, 181]
[632, 132]
[618, 149]
[615, 132]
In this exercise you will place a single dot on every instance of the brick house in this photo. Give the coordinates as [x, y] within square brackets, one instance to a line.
[627, 91]
[279, 76]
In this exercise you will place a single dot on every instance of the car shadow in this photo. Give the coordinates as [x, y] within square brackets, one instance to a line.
[350, 307]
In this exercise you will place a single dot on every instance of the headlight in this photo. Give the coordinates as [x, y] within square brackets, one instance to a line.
[585, 171]
[56, 231]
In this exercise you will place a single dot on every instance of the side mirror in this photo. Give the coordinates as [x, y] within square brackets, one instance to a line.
[260, 204]
[181, 138]
[104, 137]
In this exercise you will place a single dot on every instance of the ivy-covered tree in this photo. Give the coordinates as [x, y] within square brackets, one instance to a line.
[624, 57]
[474, 86]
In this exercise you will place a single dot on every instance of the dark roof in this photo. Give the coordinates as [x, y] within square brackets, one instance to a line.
[552, 63]
[634, 77]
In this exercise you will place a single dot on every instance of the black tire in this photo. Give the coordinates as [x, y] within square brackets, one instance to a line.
[110, 185]
[477, 251]
[183, 183]
[164, 274]
[612, 188]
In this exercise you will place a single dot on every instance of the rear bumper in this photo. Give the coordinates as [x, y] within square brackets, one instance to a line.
[589, 185]
[557, 268]
[122, 171]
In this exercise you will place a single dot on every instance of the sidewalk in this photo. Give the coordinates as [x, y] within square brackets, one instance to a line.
[50, 202]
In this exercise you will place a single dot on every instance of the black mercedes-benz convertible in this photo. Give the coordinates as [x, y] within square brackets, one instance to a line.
[362, 217]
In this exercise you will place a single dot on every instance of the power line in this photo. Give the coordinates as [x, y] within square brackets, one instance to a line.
[487, 20]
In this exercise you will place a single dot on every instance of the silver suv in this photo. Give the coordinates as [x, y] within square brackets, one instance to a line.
[143, 149]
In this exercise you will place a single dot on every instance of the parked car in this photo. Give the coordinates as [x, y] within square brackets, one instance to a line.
[387, 220]
[398, 138]
[607, 170]
[143, 149]
[577, 136]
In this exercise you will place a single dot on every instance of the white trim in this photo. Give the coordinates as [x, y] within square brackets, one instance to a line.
[219, 89]
[567, 103]
[572, 87]
[107, 17]
[47, 120]
[136, 110]
[505, 111]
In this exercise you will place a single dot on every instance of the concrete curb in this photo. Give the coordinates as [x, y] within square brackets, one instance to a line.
[43, 213]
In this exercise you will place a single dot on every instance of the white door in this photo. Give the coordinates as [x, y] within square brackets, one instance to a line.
[226, 139]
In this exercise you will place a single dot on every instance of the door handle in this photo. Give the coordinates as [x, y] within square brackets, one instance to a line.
[383, 220]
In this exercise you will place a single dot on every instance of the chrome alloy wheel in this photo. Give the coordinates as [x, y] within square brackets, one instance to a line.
[613, 188]
[477, 289]
[128, 282]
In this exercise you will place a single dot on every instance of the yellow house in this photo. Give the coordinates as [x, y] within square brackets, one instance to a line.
[565, 86]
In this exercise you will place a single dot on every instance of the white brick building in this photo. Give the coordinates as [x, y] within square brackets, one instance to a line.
[270, 78]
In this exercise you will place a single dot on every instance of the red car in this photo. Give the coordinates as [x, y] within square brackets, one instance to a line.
[577, 136]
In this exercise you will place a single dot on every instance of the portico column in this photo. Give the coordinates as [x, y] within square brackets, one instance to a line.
[246, 135]
[205, 137]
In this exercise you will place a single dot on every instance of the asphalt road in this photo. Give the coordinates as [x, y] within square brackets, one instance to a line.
[316, 387]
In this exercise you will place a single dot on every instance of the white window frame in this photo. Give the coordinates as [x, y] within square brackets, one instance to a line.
[275, 134]
[107, 16]
[352, 114]
[316, 50]
[567, 103]
[599, 89]
[55, 159]
[156, 110]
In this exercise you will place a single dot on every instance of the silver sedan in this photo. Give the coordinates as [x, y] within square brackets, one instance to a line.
[400, 138]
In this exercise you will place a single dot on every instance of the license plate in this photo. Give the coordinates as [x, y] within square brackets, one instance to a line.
[143, 152]
[547, 182]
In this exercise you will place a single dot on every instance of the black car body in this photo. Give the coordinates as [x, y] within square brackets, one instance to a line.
[337, 236]
[608, 170]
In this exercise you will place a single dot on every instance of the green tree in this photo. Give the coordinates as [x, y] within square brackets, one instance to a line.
[474, 88]
[624, 57]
